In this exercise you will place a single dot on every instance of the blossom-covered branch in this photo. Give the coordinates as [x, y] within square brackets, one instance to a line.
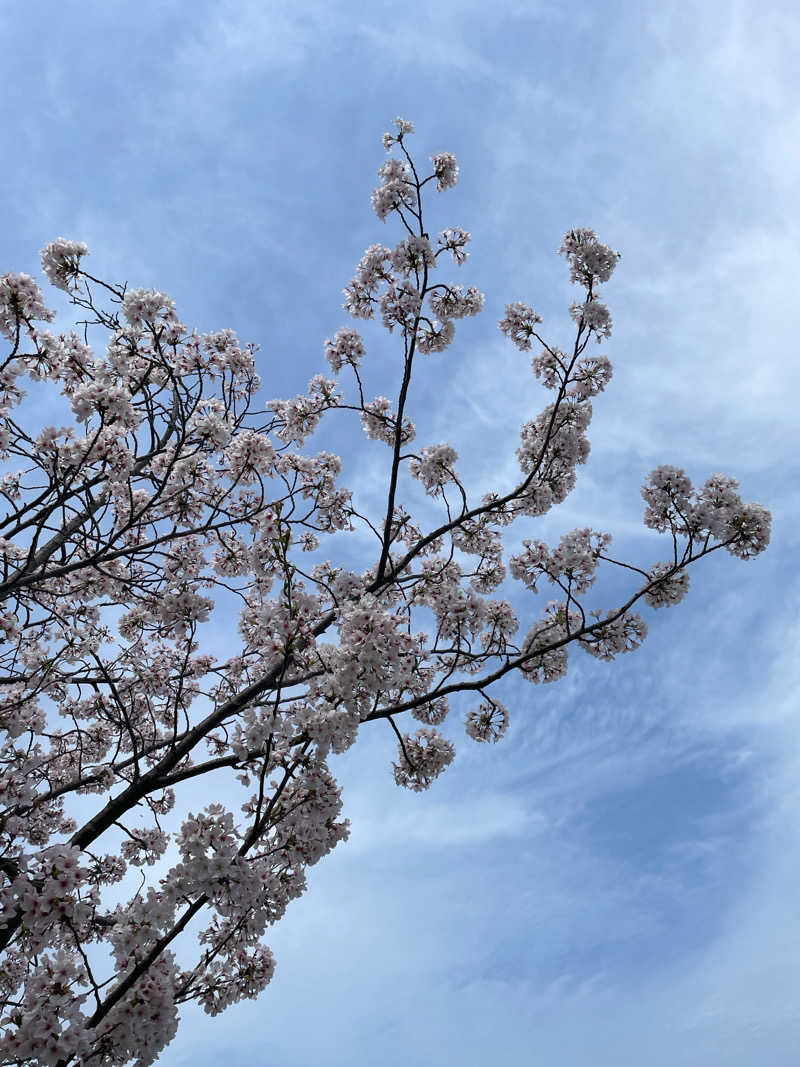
[163, 498]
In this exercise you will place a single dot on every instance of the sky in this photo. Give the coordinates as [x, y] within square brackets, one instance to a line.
[615, 883]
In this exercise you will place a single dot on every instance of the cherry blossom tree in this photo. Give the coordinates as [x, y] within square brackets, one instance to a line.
[170, 492]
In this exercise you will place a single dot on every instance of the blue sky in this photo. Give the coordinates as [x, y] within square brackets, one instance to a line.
[616, 882]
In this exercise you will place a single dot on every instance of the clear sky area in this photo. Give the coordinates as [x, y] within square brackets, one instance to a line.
[615, 883]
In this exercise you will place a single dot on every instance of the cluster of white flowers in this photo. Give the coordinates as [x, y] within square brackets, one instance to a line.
[248, 455]
[47, 1037]
[519, 324]
[501, 624]
[182, 610]
[544, 663]
[489, 722]
[140, 306]
[667, 495]
[61, 262]
[593, 316]
[720, 510]
[588, 259]
[345, 347]
[436, 337]
[400, 305]
[398, 190]
[372, 270]
[432, 713]
[380, 422]
[243, 974]
[65, 358]
[716, 510]
[454, 241]
[615, 636]
[403, 126]
[317, 482]
[445, 169]
[298, 418]
[21, 303]
[209, 424]
[672, 585]
[551, 446]
[454, 302]
[434, 467]
[223, 353]
[460, 612]
[413, 255]
[422, 758]
[590, 376]
[573, 562]
[144, 846]
[550, 367]
[479, 538]
[375, 657]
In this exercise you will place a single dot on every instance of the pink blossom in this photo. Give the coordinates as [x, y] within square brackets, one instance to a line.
[672, 585]
[455, 302]
[667, 495]
[396, 192]
[489, 722]
[422, 757]
[346, 347]
[436, 337]
[434, 467]
[433, 713]
[400, 305]
[413, 255]
[519, 324]
[380, 422]
[454, 241]
[618, 635]
[61, 262]
[446, 170]
[403, 127]
[588, 259]
[143, 305]
[21, 302]
[593, 316]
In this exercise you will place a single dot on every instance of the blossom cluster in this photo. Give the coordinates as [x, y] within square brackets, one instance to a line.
[380, 422]
[397, 190]
[422, 757]
[574, 561]
[61, 262]
[551, 447]
[395, 280]
[21, 301]
[519, 324]
[454, 241]
[715, 510]
[434, 467]
[456, 302]
[345, 347]
[589, 260]
[489, 722]
[446, 170]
